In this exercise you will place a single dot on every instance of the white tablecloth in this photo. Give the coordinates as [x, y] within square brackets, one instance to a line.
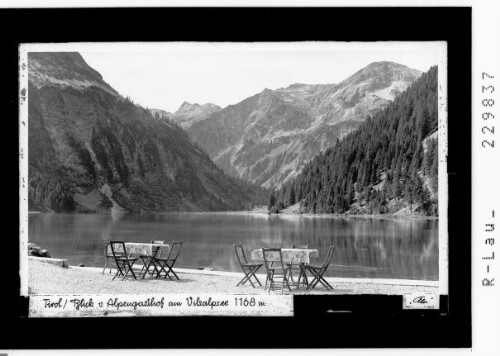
[295, 255]
[136, 248]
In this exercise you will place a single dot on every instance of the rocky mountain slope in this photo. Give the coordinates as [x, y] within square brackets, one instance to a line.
[188, 113]
[268, 138]
[92, 150]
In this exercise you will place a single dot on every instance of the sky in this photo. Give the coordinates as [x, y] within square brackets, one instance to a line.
[164, 75]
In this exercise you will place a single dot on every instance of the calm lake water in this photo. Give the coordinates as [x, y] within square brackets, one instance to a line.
[365, 247]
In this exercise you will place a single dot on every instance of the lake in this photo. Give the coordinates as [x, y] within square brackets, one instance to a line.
[365, 247]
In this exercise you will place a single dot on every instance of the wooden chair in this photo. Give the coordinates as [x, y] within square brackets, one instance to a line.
[166, 264]
[107, 255]
[277, 274]
[147, 260]
[249, 268]
[123, 262]
[300, 267]
[319, 271]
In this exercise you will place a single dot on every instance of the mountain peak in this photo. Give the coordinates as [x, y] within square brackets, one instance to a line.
[189, 113]
[64, 69]
[187, 104]
[383, 79]
[387, 67]
[187, 107]
[385, 63]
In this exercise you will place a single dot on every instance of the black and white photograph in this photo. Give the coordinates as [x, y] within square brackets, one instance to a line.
[235, 168]
[279, 178]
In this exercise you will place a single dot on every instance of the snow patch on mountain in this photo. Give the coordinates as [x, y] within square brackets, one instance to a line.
[389, 93]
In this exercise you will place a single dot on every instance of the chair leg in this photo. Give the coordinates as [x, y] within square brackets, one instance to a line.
[285, 279]
[129, 270]
[105, 263]
[318, 278]
[170, 269]
[270, 277]
[328, 284]
[147, 268]
[155, 269]
[257, 280]
[162, 269]
[125, 274]
[118, 271]
[315, 279]
[320, 281]
[249, 275]
[291, 274]
[175, 274]
[166, 268]
[305, 276]
[143, 266]
[246, 278]
[253, 271]
[325, 283]
[125, 269]
[151, 273]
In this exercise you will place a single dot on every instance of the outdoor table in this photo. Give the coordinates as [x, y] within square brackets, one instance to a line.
[299, 256]
[139, 248]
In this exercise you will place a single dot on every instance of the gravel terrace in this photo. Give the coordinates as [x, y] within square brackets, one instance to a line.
[50, 279]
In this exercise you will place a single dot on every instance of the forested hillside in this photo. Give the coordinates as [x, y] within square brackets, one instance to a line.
[389, 164]
[91, 150]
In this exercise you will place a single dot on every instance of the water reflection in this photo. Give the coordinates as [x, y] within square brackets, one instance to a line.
[365, 247]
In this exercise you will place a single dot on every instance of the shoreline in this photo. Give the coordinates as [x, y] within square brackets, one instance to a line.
[260, 212]
[366, 216]
[45, 278]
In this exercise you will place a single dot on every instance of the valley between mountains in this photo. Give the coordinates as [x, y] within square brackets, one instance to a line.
[366, 145]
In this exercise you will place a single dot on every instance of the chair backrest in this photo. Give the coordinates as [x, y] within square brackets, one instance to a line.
[240, 254]
[300, 246]
[174, 250]
[157, 249]
[118, 248]
[156, 252]
[271, 256]
[329, 256]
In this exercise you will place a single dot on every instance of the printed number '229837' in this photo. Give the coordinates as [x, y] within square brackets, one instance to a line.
[488, 102]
